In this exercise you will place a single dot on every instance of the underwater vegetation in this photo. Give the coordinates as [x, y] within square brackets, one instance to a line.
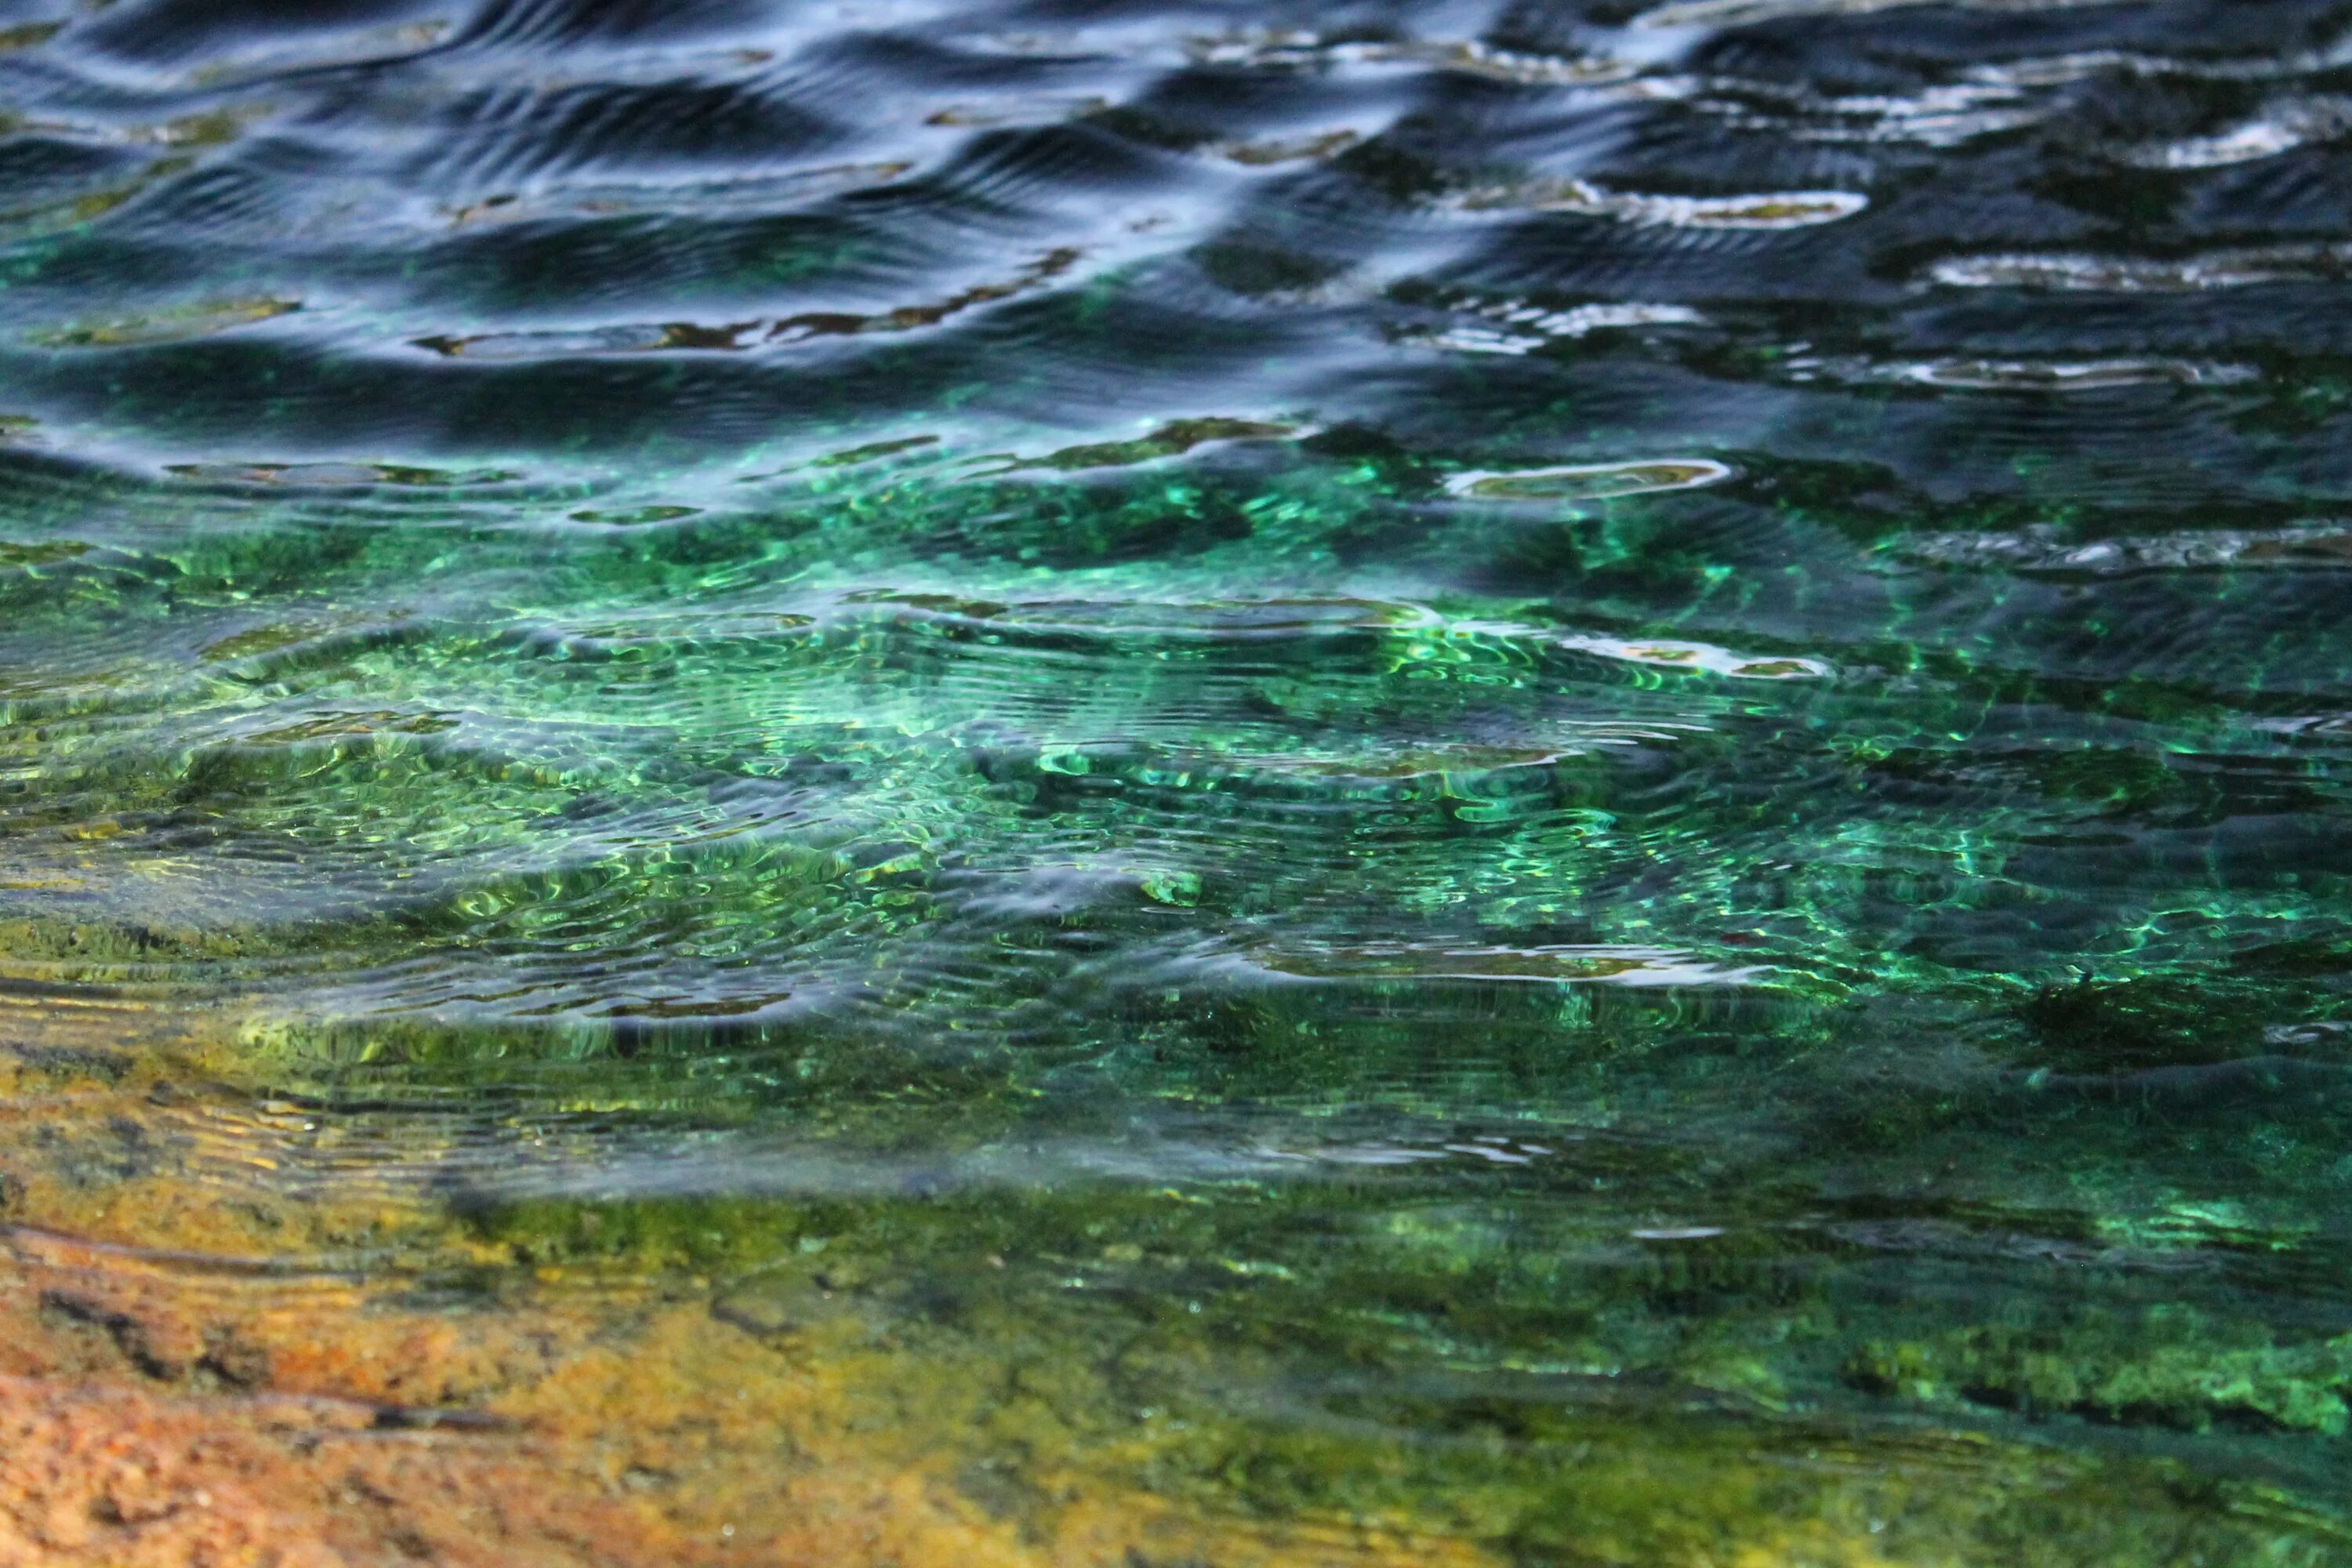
[1175, 785]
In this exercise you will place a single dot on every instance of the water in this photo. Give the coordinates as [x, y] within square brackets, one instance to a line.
[1179, 784]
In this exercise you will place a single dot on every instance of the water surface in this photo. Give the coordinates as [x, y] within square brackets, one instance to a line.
[1534, 783]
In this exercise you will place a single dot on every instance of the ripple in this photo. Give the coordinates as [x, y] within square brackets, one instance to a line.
[2071, 272]
[747, 194]
[47, 553]
[2258, 64]
[1948, 114]
[1628, 966]
[739, 336]
[1770, 210]
[1169, 440]
[179, 324]
[1522, 328]
[1039, 110]
[342, 50]
[1591, 482]
[1752, 13]
[39, 219]
[2302, 548]
[343, 475]
[1668, 653]
[1291, 50]
[1492, 1149]
[2035, 375]
[1309, 147]
[1239, 618]
[635, 338]
[2282, 128]
[29, 35]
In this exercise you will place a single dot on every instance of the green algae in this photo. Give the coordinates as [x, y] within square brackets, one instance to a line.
[910, 903]
[1150, 1338]
[2166, 1366]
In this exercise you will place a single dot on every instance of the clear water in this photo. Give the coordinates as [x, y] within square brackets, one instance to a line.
[1565, 779]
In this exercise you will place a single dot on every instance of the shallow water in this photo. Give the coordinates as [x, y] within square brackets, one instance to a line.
[1312, 782]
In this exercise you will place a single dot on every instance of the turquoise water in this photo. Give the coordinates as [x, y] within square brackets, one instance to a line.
[1552, 729]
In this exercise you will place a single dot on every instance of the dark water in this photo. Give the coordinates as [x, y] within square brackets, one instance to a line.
[1572, 737]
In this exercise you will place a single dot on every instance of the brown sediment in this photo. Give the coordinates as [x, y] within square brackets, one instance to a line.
[628, 1434]
[124, 1478]
[178, 1389]
[100, 1475]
